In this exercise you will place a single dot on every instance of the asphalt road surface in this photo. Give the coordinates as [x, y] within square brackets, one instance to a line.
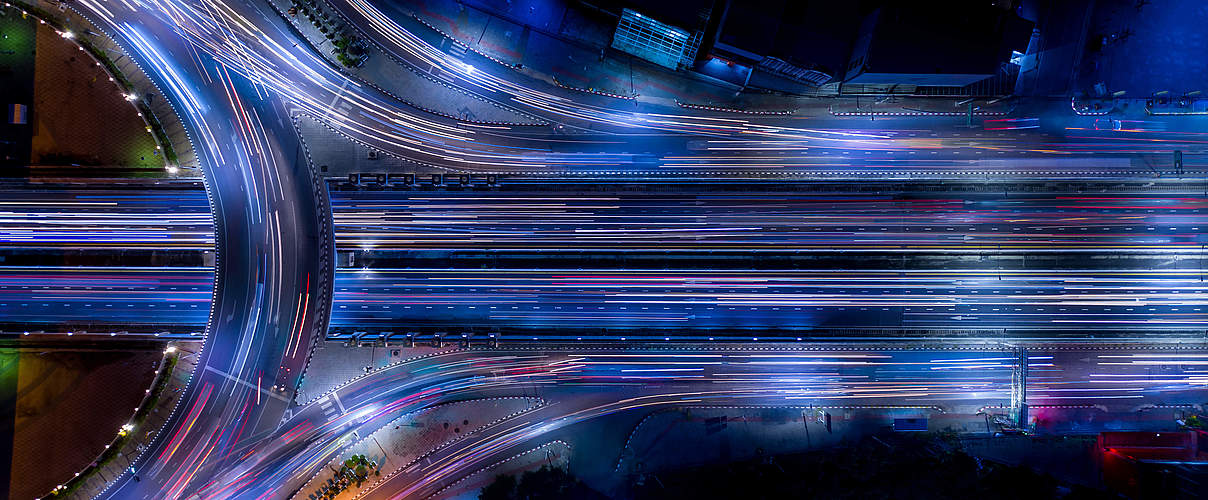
[588, 386]
[238, 76]
[145, 301]
[695, 303]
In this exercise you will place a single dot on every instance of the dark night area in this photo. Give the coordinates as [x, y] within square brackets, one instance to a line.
[590, 249]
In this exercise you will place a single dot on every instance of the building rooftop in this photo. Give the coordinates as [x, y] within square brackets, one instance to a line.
[939, 38]
[808, 34]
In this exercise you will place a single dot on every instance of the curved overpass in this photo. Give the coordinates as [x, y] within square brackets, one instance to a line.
[269, 298]
[237, 77]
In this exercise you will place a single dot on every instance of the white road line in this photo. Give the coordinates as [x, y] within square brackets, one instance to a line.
[338, 96]
[336, 398]
[270, 394]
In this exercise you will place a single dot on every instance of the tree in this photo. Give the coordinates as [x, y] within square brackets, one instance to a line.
[502, 488]
[546, 483]
[550, 483]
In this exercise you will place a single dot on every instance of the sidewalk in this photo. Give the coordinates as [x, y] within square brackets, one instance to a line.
[1148, 48]
[332, 364]
[407, 439]
[335, 155]
[423, 91]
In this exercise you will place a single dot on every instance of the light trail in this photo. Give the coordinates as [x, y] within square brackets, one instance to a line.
[592, 220]
[105, 218]
[109, 299]
[726, 300]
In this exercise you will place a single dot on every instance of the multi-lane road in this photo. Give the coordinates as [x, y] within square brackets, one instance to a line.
[563, 303]
[654, 259]
[238, 75]
[740, 261]
[175, 216]
[143, 301]
[763, 218]
[115, 258]
[586, 387]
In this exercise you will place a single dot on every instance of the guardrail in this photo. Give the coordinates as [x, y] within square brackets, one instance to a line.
[721, 109]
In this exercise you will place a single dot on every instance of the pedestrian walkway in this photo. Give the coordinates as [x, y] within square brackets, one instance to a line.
[406, 440]
[332, 364]
[424, 91]
[335, 155]
[1146, 47]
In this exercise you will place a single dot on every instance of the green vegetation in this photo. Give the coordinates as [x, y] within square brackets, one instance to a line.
[16, 34]
[546, 483]
[352, 473]
[349, 50]
[1194, 422]
[113, 451]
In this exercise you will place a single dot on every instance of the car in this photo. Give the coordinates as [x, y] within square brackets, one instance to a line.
[1107, 124]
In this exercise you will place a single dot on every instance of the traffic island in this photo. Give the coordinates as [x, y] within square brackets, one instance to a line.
[391, 450]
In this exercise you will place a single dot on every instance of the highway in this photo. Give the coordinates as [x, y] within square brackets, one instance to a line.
[270, 238]
[139, 301]
[117, 258]
[238, 76]
[780, 217]
[836, 381]
[696, 303]
[588, 386]
[115, 217]
[717, 296]
[634, 138]
[905, 379]
[646, 142]
[733, 261]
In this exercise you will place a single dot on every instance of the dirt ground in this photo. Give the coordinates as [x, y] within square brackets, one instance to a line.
[79, 116]
[69, 406]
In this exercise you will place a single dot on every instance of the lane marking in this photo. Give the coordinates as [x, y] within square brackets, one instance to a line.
[336, 398]
[237, 380]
